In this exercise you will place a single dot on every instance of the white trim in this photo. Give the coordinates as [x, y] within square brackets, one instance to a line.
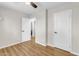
[75, 53]
[37, 43]
[9, 45]
[51, 45]
[12, 44]
[41, 43]
[24, 41]
[55, 46]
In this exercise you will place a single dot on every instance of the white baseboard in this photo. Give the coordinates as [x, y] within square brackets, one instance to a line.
[37, 43]
[9, 45]
[41, 43]
[51, 45]
[24, 41]
[12, 44]
[18, 43]
[66, 50]
[75, 53]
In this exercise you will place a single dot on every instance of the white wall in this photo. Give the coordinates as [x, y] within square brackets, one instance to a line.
[75, 30]
[50, 28]
[40, 27]
[10, 26]
[75, 25]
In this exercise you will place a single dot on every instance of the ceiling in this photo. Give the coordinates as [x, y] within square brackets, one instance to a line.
[22, 7]
[49, 5]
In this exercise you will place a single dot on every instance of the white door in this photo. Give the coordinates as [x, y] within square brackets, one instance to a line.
[62, 30]
[26, 29]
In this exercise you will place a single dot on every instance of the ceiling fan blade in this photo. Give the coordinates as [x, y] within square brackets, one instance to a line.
[33, 5]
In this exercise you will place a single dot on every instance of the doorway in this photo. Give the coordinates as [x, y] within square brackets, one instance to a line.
[33, 20]
[62, 30]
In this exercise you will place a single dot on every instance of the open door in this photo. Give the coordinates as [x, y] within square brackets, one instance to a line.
[26, 29]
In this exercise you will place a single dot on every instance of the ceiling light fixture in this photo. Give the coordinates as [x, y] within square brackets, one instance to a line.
[32, 4]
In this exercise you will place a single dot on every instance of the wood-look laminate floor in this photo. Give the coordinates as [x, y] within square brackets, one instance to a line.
[32, 49]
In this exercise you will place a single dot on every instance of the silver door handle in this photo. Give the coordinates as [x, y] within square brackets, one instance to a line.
[55, 32]
[22, 30]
